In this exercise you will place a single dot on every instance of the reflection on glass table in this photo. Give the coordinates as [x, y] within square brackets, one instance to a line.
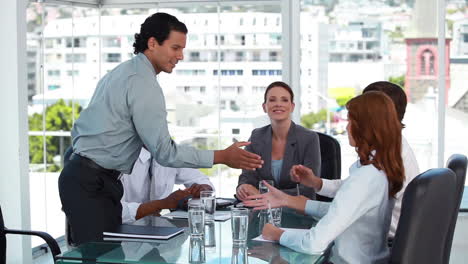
[216, 248]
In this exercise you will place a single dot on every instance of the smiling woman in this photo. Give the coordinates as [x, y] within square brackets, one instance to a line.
[281, 145]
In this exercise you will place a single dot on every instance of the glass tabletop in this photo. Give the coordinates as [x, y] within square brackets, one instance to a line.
[215, 247]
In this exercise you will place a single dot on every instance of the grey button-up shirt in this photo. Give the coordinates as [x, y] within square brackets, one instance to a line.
[126, 111]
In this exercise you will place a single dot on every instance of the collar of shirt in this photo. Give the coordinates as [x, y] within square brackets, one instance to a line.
[146, 61]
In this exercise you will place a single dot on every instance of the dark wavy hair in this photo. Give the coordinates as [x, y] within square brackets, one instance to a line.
[395, 92]
[158, 25]
[375, 127]
[279, 84]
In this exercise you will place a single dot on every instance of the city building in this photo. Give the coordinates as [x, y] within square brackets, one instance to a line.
[422, 54]
[238, 62]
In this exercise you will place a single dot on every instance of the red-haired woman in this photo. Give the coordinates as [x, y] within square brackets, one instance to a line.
[359, 217]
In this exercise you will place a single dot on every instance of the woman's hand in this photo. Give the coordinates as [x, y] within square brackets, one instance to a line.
[276, 198]
[304, 175]
[271, 232]
[245, 190]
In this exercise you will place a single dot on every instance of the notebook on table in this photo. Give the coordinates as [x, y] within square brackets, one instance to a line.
[148, 232]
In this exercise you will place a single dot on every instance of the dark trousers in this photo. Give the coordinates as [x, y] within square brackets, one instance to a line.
[90, 198]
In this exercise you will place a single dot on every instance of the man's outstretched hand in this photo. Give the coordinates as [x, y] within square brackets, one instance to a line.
[235, 157]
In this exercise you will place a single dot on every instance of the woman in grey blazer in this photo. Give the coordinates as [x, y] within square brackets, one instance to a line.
[281, 145]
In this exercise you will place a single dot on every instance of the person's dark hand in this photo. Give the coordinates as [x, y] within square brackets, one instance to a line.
[171, 201]
[245, 190]
[195, 189]
[235, 157]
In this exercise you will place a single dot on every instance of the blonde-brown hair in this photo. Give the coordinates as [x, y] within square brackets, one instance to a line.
[375, 126]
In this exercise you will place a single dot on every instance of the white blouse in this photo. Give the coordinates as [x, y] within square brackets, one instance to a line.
[357, 220]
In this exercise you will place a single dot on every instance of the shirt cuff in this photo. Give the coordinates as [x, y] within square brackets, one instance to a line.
[310, 207]
[129, 212]
[328, 188]
[206, 158]
[290, 237]
[316, 209]
[300, 240]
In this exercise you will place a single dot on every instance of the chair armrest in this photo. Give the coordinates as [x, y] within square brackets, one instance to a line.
[54, 247]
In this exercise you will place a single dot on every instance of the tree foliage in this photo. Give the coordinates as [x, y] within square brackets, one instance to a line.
[58, 117]
[312, 118]
[399, 80]
[343, 100]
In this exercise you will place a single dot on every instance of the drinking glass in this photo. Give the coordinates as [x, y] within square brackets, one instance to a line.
[210, 238]
[209, 201]
[239, 255]
[276, 214]
[197, 250]
[263, 218]
[239, 225]
[262, 188]
[196, 217]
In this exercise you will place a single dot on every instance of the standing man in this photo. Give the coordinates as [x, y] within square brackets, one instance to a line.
[126, 112]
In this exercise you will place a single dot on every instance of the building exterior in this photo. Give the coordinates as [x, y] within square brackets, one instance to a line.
[225, 65]
[460, 39]
[422, 55]
[358, 40]
[458, 95]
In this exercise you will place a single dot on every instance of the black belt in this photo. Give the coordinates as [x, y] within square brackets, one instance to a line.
[91, 164]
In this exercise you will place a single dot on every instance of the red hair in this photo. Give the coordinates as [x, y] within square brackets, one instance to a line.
[375, 127]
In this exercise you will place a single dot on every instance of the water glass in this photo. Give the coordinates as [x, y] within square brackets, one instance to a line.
[209, 201]
[196, 217]
[210, 238]
[262, 188]
[239, 255]
[197, 250]
[239, 225]
[276, 215]
[263, 218]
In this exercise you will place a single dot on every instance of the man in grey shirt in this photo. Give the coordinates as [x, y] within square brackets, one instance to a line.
[126, 112]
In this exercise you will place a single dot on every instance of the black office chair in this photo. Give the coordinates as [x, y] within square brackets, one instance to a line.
[330, 153]
[427, 210]
[457, 163]
[54, 248]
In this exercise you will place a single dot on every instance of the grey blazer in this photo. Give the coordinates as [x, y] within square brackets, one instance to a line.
[302, 147]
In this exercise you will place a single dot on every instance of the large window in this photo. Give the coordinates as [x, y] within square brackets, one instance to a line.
[234, 50]
[62, 69]
[208, 96]
[345, 47]
[456, 107]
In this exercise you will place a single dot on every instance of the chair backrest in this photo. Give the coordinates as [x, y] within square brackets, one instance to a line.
[330, 153]
[426, 213]
[457, 163]
[2, 239]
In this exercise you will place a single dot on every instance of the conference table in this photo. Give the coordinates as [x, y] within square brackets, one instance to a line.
[215, 247]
